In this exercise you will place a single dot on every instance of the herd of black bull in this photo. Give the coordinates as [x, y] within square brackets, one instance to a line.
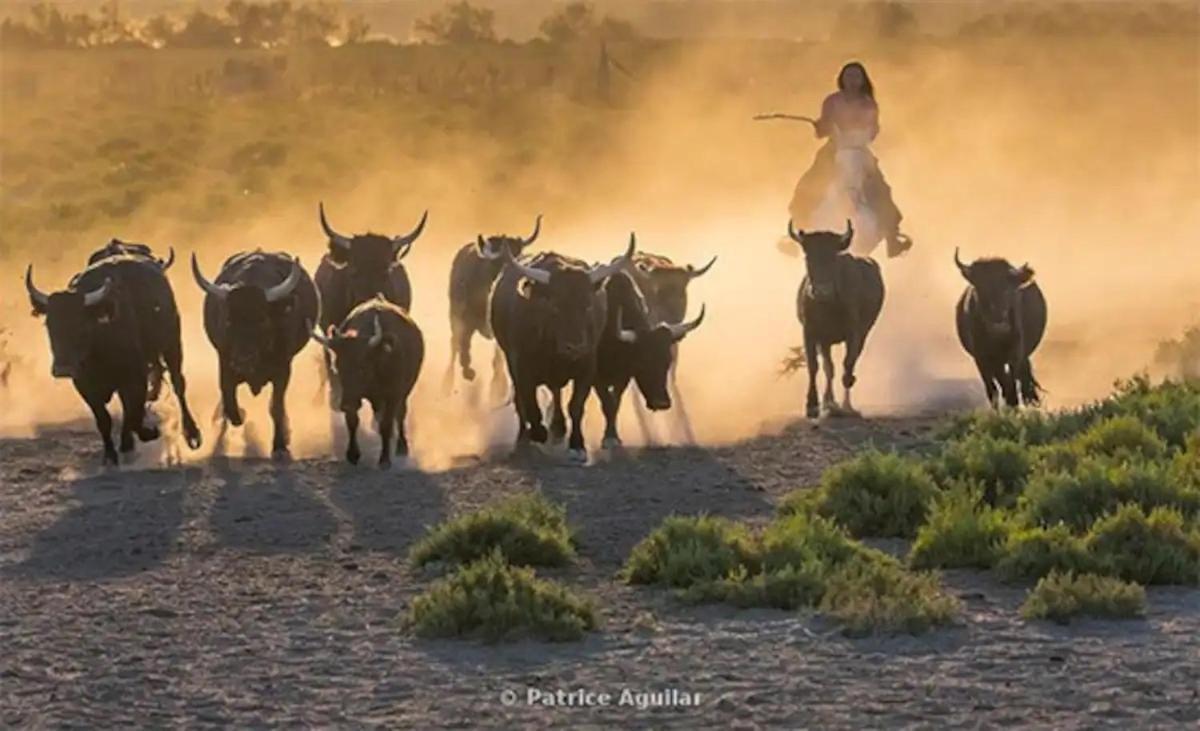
[116, 329]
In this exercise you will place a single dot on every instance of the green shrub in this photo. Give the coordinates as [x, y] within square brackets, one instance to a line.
[1150, 549]
[1000, 466]
[1097, 487]
[961, 533]
[685, 550]
[868, 597]
[1032, 553]
[1062, 596]
[796, 540]
[1123, 437]
[785, 587]
[494, 600]
[876, 494]
[527, 529]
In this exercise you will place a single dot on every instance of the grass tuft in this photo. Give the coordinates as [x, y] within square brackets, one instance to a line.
[493, 600]
[685, 550]
[962, 532]
[527, 529]
[875, 494]
[1064, 596]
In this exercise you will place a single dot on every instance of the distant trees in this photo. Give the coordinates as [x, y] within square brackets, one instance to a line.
[459, 22]
[240, 24]
[578, 21]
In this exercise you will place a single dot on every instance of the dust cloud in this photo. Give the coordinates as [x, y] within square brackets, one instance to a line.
[1079, 155]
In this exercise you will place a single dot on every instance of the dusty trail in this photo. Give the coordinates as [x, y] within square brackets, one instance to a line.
[245, 593]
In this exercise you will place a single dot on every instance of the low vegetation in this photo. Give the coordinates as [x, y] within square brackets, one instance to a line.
[526, 529]
[799, 561]
[1064, 596]
[491, 599]
[1081, 501]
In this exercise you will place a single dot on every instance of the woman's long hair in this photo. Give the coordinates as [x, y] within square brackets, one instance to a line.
[867, 88]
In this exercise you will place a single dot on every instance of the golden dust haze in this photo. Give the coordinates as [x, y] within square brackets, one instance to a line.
[1079, 155]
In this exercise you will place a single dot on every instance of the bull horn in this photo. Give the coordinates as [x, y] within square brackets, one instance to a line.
[694, 272]
[793, 234]
[537, 229]
[165, 265]
[600, 272]
[96, 296]
[541, 276]
[287, 286]
[485, 252]
[849, 235]
[336, 238]
[958, 262]
[683, 328]
[402, 244]
[213, 289]
[625, 336]
[377, 334]
[40, 298]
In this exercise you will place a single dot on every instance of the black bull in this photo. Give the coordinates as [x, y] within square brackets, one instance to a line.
[355, 269]
[258, 315]
[115, 323]
[378, 350]
[473, 272]
[548, 315]
[839, 300]
[1001, 318]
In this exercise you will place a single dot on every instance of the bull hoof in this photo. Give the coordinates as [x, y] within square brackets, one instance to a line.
[401, 448]
[194, 440]
[611, 443]
[236, 418]
[148, 433]
[813, 411]
[353, 455]
[538, 434]
[385, 461]
[577, 456]
[110, 458]
[281, 454]
[469, 373]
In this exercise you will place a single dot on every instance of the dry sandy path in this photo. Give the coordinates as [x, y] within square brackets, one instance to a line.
[246, 594]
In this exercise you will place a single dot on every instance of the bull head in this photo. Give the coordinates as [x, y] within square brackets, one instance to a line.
[41, 300]
[487, 252]
[401, 245]
[1021, 276]
[276, 293]
[694, 272]
[336, 334]
[799, 235]
[678, 331]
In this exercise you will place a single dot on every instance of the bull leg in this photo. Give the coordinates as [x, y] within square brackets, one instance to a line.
[989, 381]
[229, 402]
[322, 377]
[529, 413]
[812, 405]
[1008, 382]
[352, 452]
[387, 426]
[279, 445]
[174, 362]
[677, 398]
[133, 403]
[401, 436]
[554, 415]
[156, 381]
[610, 403]
[579, 393]
[104, 423]
[499, 382]
[1029, 385]
[462, 337]
[829, 400]
[854, 347]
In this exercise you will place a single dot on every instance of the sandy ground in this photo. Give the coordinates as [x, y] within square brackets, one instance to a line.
[242, 593]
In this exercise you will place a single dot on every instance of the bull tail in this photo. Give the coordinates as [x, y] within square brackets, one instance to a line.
[796, 360]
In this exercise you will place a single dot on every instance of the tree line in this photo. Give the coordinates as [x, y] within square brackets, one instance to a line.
[282, 23]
